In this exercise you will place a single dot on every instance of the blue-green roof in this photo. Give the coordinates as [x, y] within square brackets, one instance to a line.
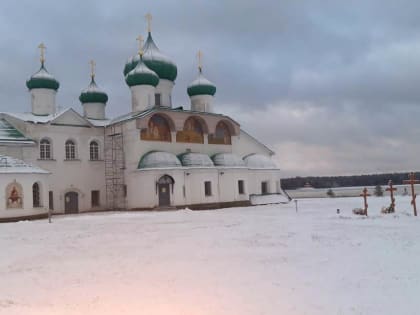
[154, 60]
[42, 80]
[201, 86]
[142, 75]
[93, 94]
[8, 133]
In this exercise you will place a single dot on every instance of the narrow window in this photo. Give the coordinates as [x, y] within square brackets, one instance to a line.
[51, 200]
[264, 188]
[70, 150]
[45, 149]
[157, 99]
[207, 188]
[94, 151]
[95, 198]
[36, 196]
[241, 187]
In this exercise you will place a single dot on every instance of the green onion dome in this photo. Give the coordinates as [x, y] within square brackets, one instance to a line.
[42, 80]
[142, 75]
[93, 94]
[155, 60]
[201, 86]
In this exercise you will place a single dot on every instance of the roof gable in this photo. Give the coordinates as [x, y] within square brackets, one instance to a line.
[70, 118]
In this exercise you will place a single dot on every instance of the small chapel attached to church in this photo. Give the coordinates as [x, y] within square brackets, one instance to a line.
[157, 156]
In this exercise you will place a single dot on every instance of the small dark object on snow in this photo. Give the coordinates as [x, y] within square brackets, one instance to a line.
[338, 211]
[359, 211]
[390, 209]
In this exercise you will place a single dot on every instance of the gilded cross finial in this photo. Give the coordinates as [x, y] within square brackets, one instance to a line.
[200, 60]
[42, 48]
[149, 22]
[92, 68]
[140, 40]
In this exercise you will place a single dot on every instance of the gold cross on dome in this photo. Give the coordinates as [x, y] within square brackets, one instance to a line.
[92, 68]
[200, 60]
[140, 40]
[149, 22]
[42, 49]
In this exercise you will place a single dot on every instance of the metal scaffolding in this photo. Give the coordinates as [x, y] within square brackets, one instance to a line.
[114, 168]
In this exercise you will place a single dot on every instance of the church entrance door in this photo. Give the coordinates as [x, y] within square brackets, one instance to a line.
[164, 186]
[71, 202]
[164, 195]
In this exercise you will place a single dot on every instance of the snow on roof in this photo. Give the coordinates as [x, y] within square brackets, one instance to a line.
[12, 165]
[228, 160]
[37, 119]
[10, 134]
[99, 122]
[196, 159]
[159, 159]
[201, 80]
[258, 161]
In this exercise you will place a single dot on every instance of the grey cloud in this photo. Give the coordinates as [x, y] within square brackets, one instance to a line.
[322, 76]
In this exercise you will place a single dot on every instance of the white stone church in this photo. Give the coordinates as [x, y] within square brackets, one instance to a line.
[155, 157]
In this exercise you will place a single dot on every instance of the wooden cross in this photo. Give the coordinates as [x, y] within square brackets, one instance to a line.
[42, 48]
[411, 181]
[200, 60]
[149, 22]
[365, 194]
[391, 190]
[140, 40]
[92, 68]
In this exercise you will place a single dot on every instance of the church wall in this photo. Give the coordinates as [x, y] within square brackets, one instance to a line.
[141, 187]
[43, 101]
[25, 181]
[164, 88]
[257, 176]
[79, 175]
[245, 144]
[229, 190]
[194, 185]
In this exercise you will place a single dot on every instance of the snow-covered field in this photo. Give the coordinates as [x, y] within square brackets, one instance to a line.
[256, 260]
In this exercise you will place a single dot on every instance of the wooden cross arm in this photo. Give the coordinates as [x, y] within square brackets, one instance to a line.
[410, 181]
[390, 189]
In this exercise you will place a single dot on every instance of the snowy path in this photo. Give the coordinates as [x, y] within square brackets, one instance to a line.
[257, 260]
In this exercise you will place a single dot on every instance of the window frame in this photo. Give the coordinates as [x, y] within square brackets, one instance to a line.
[70, 149]
[266, 190]
[158, 99]
[207, 188]
[36, 195]
[241, 187]
[45, 149]
[95, 196]
[94, 155]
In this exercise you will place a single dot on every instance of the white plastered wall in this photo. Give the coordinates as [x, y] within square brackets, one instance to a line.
[43, 101]
[94, 110]
[164, 88]
[26, 181]
[80, 175]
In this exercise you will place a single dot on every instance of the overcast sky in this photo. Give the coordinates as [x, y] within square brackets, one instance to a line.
[333, 87]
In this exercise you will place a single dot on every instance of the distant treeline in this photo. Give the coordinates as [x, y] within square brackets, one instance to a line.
[345, 181]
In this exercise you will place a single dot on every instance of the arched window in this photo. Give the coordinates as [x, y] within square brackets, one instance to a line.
[45, 149]
[70, 150]
[192, 133]
[157, 129]
[94, 151]
[36, 195]
[222, 134]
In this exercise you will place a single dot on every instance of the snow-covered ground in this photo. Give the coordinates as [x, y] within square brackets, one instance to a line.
[256, 260]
